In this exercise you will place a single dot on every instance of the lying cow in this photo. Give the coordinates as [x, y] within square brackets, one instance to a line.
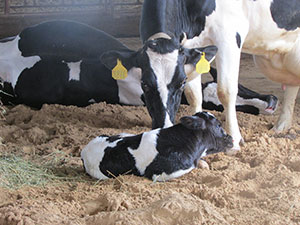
[268, 29]
[247, 100]
[66, 69]
[160, 154]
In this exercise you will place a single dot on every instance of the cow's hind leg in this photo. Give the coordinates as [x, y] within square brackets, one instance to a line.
[284, 121]
[275, 70]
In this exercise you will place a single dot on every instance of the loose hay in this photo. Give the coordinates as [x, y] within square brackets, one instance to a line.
[16, 173]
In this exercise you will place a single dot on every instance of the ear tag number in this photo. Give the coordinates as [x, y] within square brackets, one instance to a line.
[119, 72]
[202, 65]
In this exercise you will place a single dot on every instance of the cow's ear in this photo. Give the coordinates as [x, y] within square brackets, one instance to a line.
[193, 55]
[193, 122]
[128, 59]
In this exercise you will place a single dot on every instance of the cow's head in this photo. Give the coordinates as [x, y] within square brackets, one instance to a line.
[163, 78]
[209, 129]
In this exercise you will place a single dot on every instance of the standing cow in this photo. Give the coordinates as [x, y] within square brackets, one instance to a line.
[268, 29]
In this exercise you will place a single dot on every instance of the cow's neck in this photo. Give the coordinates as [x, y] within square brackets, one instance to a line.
[174, 17]
[163, 16]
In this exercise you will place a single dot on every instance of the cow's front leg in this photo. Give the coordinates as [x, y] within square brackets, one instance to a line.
[228, 61]
[284, 121]
[193, 91]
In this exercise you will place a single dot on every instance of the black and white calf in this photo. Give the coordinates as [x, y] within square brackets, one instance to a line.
[37, 67]
[160, 154]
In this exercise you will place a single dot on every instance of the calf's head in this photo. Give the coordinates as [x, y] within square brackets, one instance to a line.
[163, 78]
[209, 129]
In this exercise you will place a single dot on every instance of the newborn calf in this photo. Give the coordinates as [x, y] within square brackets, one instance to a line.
[160, 154]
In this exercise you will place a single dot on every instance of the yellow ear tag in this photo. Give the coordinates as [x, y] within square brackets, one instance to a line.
[119, 72]
[202, 65]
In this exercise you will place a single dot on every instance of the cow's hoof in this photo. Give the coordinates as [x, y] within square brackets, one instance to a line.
[279, 128]
[232, 151]
[203, 165]
[235, 149]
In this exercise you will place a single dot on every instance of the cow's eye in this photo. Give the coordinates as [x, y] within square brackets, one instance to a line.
[145, 87]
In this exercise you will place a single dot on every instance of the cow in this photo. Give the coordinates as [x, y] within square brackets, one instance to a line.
[70, 68]
[247, 101]
[37, 68]
[267, 29]
[160, 154]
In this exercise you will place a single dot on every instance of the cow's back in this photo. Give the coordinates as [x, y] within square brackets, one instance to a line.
[71, 40]
[273, 26]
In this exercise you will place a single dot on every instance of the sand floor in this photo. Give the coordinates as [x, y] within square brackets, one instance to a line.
[259, 185]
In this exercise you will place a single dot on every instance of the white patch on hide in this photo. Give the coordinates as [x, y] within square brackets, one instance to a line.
[12, 63]
[203, 154]
[92, 100]
[92, 154]
[165, 177]
[146, 152]
[130, 90]
[210, 95]
[74, 73]
[163, 66]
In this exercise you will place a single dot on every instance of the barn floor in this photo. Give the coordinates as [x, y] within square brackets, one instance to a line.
[259, 185]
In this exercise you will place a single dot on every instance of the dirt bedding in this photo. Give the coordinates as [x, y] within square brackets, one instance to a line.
[259, 185]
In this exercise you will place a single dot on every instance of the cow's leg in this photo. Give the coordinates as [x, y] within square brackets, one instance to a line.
[193, 92]
[228, 63]
[228, 71]
[276, 71]
[284, 121]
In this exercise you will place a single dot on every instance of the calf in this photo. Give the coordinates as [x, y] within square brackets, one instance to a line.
[160, 154]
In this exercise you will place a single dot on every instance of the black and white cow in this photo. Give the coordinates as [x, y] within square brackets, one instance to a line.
[247, 100]
[268, 29]
[161, 154]
[37, 67]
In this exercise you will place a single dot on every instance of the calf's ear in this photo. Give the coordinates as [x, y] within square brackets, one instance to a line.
[128, 59]
[193, 55]
[193, 122]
